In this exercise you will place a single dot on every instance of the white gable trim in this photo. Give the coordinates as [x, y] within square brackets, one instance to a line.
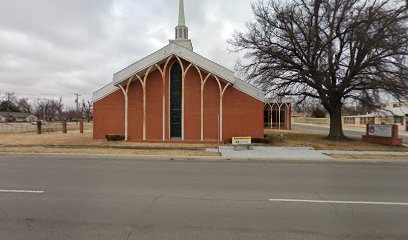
[174, 49]
[184, 53]
[249, 89]
[104, 92]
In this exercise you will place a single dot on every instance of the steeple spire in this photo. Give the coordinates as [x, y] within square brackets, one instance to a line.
[182, 30]
[182, 18]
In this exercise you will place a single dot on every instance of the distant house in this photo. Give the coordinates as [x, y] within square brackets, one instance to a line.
[391, 113]
[17, 117]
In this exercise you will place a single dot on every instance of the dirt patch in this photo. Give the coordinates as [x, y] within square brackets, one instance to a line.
[320, 142]
[56, 142]
[105, 151]
[74, 142]
[74, 138]
[380, 157]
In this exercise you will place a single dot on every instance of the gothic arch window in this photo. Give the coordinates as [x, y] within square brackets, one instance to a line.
[175, 101]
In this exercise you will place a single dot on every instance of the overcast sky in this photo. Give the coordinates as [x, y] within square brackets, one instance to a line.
[52, 48]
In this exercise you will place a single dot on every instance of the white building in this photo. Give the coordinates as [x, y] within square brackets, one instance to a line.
[391, 113]
[17, 117]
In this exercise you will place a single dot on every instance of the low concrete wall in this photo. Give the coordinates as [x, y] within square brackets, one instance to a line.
[325, 121]
[28, 127]
[402, 128]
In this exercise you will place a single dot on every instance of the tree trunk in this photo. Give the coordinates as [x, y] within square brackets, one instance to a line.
[336, 124]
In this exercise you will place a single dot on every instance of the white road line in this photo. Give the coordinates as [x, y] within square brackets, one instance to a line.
[21, 191]
[339, 202]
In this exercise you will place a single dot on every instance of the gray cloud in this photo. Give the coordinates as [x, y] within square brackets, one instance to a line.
[53, 48]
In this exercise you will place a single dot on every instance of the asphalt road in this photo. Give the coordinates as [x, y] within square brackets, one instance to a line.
[123, 199]
[357, 133]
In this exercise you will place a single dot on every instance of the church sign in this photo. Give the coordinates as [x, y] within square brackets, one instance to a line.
[241, 141]
[380, 131]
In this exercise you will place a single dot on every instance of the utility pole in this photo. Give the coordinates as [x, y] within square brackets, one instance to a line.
[77, 106]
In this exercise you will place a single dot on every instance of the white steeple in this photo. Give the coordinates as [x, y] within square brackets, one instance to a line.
[182, 30]
[182, 18]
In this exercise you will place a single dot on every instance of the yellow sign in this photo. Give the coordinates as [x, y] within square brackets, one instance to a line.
[241, 141]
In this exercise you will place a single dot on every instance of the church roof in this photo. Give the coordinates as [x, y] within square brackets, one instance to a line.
[181, 47]
[174, 49]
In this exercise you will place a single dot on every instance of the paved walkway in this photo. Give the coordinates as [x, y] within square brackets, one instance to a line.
[355, 132]
[286, 153]
[274, 153]
[364, 153]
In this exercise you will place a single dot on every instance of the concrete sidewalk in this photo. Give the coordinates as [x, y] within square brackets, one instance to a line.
[292, 153]
[274, 153]
[364, 153]
[311, 156]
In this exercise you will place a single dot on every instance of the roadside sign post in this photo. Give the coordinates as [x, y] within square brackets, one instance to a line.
[39, 123]
[242, 142]
[383, 134]
[382, 130]
[406, 123]
[64, 127]
[81, 127]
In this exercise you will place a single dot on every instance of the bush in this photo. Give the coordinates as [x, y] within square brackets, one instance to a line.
[318, 113]
[265, 140]
[115, 138]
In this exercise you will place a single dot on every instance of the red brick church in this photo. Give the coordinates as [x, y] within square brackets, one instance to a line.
[178, 95]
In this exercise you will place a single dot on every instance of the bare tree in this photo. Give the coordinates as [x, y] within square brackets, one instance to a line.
[70, 114]
[24, 105]
[331, 50]
[49, 109]
[10, 97]
[9, 102]
[312, 107]
[87, 110]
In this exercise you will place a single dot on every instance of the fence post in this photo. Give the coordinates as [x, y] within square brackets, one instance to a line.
[367, 129]
[81, 127]
[39, 123]
[64, 127]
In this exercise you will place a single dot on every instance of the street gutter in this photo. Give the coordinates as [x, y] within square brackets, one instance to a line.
[108, 157]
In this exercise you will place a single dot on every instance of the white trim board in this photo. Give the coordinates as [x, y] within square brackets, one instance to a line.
[184, 53]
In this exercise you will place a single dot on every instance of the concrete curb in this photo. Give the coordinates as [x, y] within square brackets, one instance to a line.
[201, 158]
[171, 148]
[328, 152]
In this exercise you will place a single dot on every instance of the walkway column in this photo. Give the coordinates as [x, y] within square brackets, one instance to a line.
[163, 75]
[222, 91]
[203, 81]
[125, 92]
[271, 116]
[144, 83]
[279, 115]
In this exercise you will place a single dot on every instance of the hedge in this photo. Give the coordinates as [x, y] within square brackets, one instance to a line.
[115, 138]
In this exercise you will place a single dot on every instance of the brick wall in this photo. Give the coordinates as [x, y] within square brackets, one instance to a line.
[242, 114]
